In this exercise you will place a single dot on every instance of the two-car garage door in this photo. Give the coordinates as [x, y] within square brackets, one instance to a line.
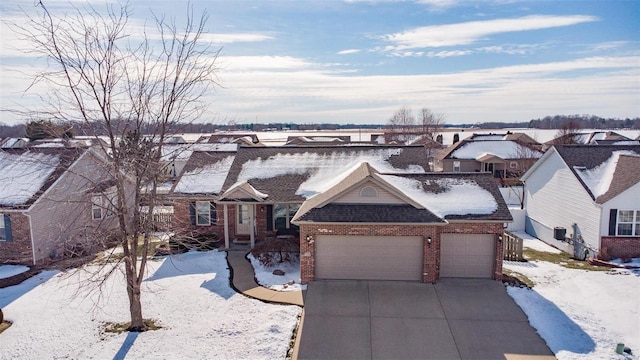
[369, 257]
[401, 257]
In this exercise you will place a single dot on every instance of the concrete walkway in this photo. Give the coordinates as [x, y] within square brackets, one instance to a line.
[243, 280]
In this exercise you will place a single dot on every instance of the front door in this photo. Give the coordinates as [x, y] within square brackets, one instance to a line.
[243, 219]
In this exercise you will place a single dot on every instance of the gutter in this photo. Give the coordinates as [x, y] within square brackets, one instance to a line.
[33, 245]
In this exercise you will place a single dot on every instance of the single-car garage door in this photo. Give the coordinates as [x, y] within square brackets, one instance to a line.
[467, 255]
[369, 257]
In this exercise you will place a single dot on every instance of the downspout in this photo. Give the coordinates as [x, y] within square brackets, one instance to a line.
[33, 245]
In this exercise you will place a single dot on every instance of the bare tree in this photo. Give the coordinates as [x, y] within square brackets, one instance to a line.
[401, 124]
[137, 88]
[568, 132]
[430, 125]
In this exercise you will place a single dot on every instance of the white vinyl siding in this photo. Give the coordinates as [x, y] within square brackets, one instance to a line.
[355, 196]
[555, 198]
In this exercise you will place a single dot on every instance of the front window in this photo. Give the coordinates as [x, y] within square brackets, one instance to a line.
[456, 166]
[203, 213]
[96, 207]
[628, 223]
[513, 164]
[282, 215]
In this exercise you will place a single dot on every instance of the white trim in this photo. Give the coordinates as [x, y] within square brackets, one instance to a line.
[226, 226]
[208, 223]
[33, 242]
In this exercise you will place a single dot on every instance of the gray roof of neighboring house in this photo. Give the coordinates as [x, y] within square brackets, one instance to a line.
[473, 149]
[26, 173]
[588, 157]
[279, 172]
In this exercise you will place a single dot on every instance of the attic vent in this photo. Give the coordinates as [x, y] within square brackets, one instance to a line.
[369, 191]
[580, 168]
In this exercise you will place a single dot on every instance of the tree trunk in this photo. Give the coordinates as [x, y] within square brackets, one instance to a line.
[135, 308]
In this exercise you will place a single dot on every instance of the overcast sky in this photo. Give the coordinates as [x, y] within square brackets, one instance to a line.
[358, 61]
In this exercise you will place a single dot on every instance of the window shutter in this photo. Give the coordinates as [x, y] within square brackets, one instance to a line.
[613, 219]
[192, 212]
[7, 228]
[212, 212]
[269, 217]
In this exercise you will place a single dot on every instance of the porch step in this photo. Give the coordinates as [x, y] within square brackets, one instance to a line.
[242, 241]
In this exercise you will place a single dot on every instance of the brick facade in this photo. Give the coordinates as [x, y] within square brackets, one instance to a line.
[431, 253]
[19, 250]
[182, 221]
[613, 247]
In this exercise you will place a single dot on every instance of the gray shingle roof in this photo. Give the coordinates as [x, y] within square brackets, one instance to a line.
[591, 156]
[282, 184]
[378, 213]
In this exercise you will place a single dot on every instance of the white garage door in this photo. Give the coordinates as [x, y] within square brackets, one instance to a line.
[369, 257]
[467, 255]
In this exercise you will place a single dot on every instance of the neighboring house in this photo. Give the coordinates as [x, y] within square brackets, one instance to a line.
[265, 186]
[235, 138]
[403, 226]
[505, 159]
[585, 200]
[587, 138]
[518, 137]
[54, 201]
[317, 140]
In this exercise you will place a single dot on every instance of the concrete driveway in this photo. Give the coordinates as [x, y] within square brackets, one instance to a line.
[453, 319]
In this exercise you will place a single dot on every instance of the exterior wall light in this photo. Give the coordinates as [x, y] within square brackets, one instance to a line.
[429, 240]
[309, 238]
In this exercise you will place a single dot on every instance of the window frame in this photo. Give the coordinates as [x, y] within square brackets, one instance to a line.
[96, 205]
[287, 214]
[456, 166]
[199, 213]
[634, 222]
[513, 164]
[3, 229]
[368, 192]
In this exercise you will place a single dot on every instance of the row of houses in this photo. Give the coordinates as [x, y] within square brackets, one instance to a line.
[359, 211]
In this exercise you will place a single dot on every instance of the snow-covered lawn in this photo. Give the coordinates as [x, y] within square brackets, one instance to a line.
[189, 295]
[7, 271]
[265, 277]
[581, 314]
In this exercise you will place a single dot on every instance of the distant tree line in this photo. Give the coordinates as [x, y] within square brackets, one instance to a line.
[547, 122]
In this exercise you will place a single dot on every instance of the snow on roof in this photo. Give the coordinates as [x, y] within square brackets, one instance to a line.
[504, 149]
[182, 152]
[23, 175]
[460, 197]
[598, 179]
[207, 179]
[324, 170]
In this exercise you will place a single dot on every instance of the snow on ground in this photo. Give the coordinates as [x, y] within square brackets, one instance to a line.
[7, 271]
[265, 277]
[188, 294]
[580, 314]
[531, 242]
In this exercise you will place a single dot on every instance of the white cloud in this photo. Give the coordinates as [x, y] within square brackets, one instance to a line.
[235, 38]
[248, 63]
[349, 51]
[474, 31]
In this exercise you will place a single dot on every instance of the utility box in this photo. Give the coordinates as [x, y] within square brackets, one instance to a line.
[559, 233]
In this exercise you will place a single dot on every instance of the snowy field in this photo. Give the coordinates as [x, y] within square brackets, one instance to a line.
[188, 295]
[580, 314]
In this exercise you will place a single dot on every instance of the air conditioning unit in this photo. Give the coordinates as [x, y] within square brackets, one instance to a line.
[559, 233]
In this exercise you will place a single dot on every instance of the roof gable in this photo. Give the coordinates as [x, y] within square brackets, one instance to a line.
[604, 171]
[432, 198]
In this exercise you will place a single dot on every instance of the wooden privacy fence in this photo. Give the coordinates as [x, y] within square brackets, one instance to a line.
[512, 245]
